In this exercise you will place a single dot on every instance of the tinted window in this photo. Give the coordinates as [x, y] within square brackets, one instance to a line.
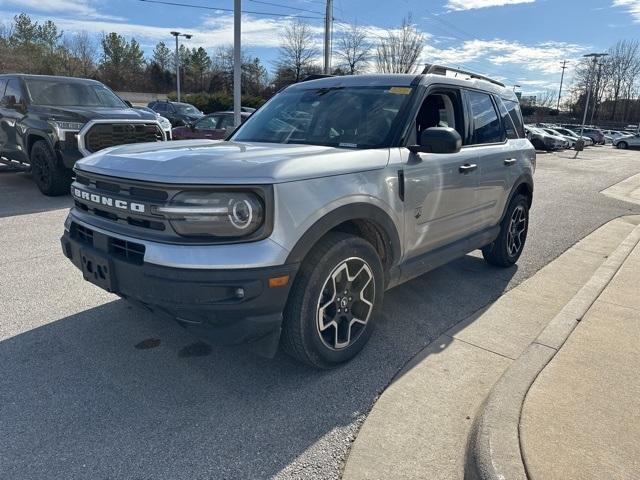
[3, 84]
[186, 109]
[487, 128]
[13, 88]
[160, 107]
[507, 122]
[62, 92]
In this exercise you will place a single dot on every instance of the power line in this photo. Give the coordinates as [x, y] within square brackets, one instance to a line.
[286, 6]
[202, 7]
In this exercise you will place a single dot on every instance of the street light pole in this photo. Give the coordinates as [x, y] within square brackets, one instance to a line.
[237, 62]
[176, 35]
[595, 57]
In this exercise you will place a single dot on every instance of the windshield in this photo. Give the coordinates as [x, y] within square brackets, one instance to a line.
[186, 109]
[348, 117]
[62, 92]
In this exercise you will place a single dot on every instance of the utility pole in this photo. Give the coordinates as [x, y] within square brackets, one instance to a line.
[328, 26]
[564, 67]
[237, 63]
[187, 36]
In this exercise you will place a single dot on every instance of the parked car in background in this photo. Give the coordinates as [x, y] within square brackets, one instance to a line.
[594, 134]
[570, 133]
[628, 141]
[571, 141]
[178, 113]
[47, 123]
[542, 140]
[215, 126]
[615, 134]
[164, 122]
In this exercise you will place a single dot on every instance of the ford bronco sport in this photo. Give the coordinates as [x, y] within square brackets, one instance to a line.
[289, 232]
[47, 123]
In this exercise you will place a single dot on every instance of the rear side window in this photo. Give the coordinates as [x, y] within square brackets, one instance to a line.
[160, 107]
[13, 88]
[3, 84]
[507, 121]
[516, 116]
[487, 127]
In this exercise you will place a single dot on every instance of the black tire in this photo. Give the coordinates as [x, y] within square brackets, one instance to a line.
[506, 249]
[302, 337]
[51, 177]
[622, 145]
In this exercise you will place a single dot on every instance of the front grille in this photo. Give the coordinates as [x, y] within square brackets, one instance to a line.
[103, 135]
[129, 251]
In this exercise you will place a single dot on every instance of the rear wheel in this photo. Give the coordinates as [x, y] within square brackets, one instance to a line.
[51, 177]
[334, 301]
[507, 248]
[622, 145]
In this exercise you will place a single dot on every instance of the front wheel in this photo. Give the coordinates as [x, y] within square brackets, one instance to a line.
[622, 145]
[51, 177]
[507, 248]
[334, 301]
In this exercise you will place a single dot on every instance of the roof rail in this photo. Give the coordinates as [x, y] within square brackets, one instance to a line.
[316, 76]
[442, 70]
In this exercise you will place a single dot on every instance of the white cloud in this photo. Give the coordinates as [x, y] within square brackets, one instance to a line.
[543, 58]
[473, 4]
[79, 8]
[632, 6]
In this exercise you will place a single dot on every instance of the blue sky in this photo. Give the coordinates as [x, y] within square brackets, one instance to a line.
[518, 41]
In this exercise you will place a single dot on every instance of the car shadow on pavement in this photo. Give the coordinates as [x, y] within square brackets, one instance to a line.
[115, 392]
[21, 196]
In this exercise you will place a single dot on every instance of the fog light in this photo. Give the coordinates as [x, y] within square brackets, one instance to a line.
[239, 292]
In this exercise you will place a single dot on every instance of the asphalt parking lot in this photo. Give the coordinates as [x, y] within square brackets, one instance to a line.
[92, 387]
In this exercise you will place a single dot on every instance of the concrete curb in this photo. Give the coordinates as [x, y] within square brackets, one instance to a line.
[493, 451]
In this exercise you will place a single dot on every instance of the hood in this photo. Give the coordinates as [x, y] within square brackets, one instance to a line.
[84, 114]
[209, 161]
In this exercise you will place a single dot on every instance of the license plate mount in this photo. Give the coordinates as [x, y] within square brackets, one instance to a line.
[98, 269]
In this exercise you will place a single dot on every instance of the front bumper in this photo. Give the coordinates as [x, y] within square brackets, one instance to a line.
[226, 306]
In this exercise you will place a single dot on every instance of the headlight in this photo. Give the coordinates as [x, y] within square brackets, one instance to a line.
[61, 127]
[214, 214]
[164, 123]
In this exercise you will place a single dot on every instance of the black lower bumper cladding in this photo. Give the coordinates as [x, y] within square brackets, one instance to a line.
[224, 306]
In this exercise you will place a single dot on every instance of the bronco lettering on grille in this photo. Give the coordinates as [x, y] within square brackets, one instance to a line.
[108, 201]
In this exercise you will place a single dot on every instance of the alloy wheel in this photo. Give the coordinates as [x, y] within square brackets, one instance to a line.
[346, 303]
[40, 168]
[517, 230]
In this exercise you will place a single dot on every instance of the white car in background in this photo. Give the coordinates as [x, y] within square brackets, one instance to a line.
[570, 139]
[628, 141]
[570, 133]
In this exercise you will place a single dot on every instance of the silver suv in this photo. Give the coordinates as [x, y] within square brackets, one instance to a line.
[290, 232]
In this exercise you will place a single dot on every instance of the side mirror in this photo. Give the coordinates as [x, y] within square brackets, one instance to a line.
[438, 140]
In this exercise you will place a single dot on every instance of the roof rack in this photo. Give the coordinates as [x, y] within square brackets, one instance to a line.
[442, 70]
[316, 76]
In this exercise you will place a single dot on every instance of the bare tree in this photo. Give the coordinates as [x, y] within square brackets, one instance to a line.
[546, 98]
[83, 48]
[624, 63]
[297, 50]
[354, 49]
[400, 50]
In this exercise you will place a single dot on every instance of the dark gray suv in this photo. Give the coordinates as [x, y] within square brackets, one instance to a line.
[290, 232]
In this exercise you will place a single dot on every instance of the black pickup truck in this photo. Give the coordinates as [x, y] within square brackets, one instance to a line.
[47, 123]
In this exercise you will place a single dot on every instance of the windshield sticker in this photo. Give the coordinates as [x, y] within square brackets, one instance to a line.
[348, 145]
[400, 90]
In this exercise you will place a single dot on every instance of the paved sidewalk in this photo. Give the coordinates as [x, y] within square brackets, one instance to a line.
[420, 426]
[581, 417]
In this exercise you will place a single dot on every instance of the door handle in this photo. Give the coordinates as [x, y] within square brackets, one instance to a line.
[510, 161]
[467, 168]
